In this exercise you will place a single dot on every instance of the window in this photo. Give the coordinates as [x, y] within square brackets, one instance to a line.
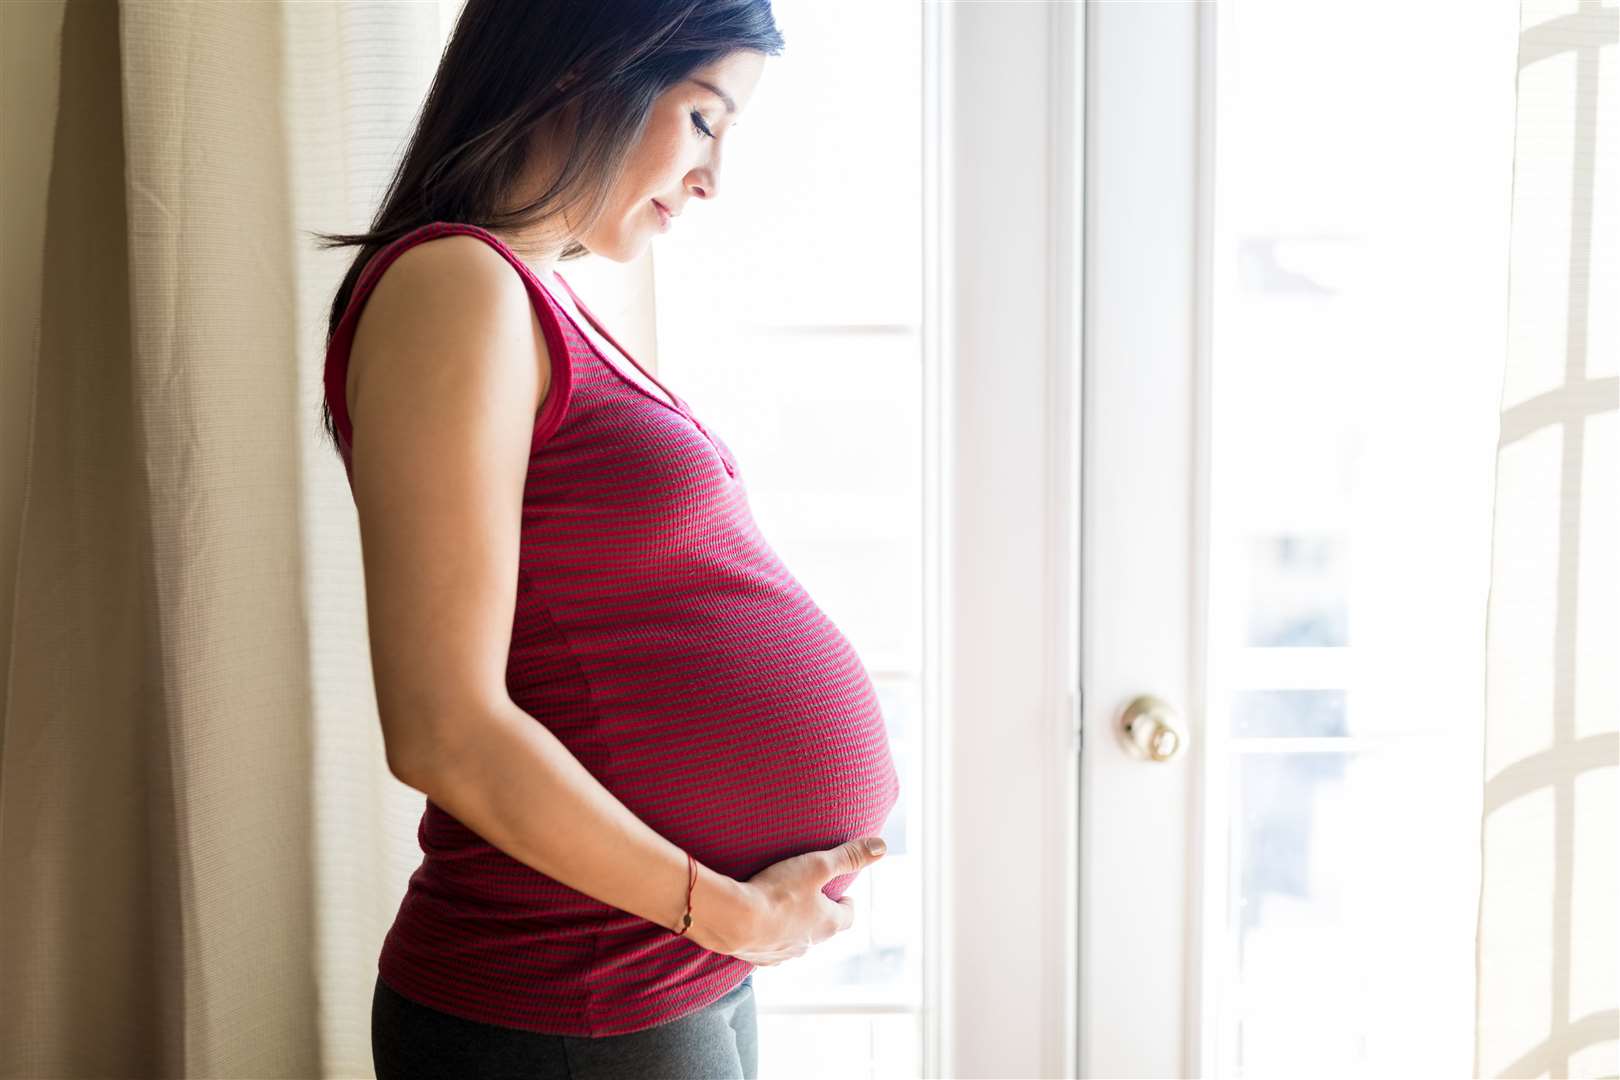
[1352, 424]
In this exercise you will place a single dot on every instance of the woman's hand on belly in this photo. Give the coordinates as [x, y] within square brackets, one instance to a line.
[791, 912]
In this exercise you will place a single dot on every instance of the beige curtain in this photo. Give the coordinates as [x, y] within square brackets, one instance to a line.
[1549, 907]
[201, 844]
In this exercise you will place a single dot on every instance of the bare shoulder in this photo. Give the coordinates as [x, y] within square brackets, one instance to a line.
[451, 296]
[444, 418]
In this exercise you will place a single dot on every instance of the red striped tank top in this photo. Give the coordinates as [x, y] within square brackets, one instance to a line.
[659, 637]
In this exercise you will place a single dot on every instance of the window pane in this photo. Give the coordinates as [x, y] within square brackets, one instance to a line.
[823, 1046]
[1348, 955]
[1274, 713]
[1298, 585]
[1356, 360]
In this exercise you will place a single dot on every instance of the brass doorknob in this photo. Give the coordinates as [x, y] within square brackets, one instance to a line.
[1151, 729]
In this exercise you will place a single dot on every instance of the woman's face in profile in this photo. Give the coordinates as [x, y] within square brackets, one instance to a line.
[677, 157]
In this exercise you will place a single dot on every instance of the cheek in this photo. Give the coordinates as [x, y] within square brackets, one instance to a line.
[662, 158]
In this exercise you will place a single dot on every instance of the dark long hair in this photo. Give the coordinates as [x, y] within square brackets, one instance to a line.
[498, 81]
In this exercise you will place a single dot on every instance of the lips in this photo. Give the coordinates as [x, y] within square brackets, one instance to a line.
[664, 215]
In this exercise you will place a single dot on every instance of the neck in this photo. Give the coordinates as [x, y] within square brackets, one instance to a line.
[547, 273]
[538, 257]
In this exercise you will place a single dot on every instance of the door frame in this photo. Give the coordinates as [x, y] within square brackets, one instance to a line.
[1146, 897]
[1003, 101]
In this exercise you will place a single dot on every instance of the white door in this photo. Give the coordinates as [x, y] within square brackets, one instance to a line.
[1295, 272]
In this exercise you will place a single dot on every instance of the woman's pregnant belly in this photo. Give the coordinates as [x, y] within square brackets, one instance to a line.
[735, 719]
[756, 747]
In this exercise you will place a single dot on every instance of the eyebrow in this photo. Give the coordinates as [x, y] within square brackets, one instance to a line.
[731, 106]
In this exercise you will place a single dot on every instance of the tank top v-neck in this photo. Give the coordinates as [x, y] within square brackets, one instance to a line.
[607, 347]
[660, 638]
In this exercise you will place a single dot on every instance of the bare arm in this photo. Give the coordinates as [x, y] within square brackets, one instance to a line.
[447, 371]
[512, 782]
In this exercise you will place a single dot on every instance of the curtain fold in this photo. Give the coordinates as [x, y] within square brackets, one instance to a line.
[202, 845]
[83, 780]
[1547, 944]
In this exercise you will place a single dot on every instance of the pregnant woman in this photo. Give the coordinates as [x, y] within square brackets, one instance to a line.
[651, 762]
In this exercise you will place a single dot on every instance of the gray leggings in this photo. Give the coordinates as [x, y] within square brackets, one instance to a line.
[409, 1041]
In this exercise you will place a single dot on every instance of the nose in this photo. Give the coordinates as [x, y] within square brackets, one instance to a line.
[704, 180]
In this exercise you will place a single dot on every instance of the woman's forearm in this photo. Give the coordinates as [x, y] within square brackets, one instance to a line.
[510, 780]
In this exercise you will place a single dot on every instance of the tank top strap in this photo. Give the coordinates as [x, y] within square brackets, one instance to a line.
[680, 403]
[555, 406]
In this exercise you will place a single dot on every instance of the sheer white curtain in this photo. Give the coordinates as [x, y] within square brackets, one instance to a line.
[1547, 946]
[202, 845]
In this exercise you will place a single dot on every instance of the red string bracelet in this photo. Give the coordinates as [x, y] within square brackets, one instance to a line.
[686, 920]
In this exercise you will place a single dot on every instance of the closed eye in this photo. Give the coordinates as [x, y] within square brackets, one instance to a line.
[698, 122]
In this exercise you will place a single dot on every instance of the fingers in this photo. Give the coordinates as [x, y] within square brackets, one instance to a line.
[846, 858]
[846, 913]
[842, 915]
[852, 855]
